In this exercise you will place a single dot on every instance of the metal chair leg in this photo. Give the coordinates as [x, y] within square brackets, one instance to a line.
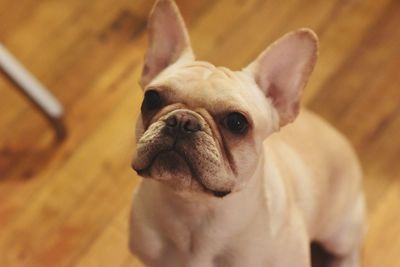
[34, 90]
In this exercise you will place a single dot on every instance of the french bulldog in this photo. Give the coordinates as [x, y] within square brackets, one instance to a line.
[235, 174]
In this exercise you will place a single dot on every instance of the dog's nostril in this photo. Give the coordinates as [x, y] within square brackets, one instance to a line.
[171, 121]
[182, 123]
[191, 126]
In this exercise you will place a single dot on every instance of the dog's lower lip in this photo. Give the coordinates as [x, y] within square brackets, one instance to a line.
[221, 194]
[142, 172]
[145, 173]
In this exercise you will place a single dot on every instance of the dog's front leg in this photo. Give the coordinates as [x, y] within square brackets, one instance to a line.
[292, 248]
[350, 260]
[298, 255]
[171, 258]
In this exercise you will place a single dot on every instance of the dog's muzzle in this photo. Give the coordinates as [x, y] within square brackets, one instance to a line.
[177, 147]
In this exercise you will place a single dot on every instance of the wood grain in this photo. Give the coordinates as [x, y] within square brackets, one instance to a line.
[67, 204]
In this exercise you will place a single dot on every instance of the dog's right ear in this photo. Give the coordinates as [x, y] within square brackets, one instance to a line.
[168, 40]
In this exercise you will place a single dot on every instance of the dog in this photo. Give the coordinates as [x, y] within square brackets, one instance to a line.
[235, 174]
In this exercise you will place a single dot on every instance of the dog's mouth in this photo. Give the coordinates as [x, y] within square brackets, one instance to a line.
[172, 162]
[187, 162]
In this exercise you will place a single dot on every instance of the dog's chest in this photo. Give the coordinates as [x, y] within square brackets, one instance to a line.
[193, 233]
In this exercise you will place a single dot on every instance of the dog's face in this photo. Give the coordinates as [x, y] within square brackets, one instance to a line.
[201, 127]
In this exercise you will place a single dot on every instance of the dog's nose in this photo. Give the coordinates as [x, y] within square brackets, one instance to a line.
[183, 122]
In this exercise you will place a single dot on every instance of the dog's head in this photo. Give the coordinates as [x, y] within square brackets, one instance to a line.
[201, 127]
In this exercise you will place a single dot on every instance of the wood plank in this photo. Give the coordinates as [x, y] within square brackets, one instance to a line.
[340, 37]
[79, 34]
[369, 78]
[65, 204]
[110, 248]
[78, 81]
[382, 245]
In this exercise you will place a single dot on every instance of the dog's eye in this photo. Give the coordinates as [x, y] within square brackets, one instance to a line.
[236, 123]
[152, 100]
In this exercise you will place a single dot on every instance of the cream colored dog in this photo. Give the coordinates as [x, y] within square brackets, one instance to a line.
[228, 180]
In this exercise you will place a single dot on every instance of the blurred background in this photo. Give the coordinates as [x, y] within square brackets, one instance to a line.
[66, 202]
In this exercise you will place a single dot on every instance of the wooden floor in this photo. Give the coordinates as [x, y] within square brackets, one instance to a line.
[66, 203]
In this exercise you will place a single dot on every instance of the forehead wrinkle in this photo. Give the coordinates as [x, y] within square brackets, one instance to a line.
[201, 84]
[208, 71]
[228, 93]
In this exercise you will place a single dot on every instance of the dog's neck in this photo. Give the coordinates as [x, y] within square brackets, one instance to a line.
[240, 206]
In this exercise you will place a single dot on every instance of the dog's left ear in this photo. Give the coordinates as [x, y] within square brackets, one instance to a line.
[168, 40]
[283, 69]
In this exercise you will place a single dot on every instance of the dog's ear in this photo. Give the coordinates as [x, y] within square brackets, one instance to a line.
[283, 69]
[168, 40]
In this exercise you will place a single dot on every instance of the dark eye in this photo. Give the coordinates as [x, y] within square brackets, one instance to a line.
[236, 123]
[152, 100]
